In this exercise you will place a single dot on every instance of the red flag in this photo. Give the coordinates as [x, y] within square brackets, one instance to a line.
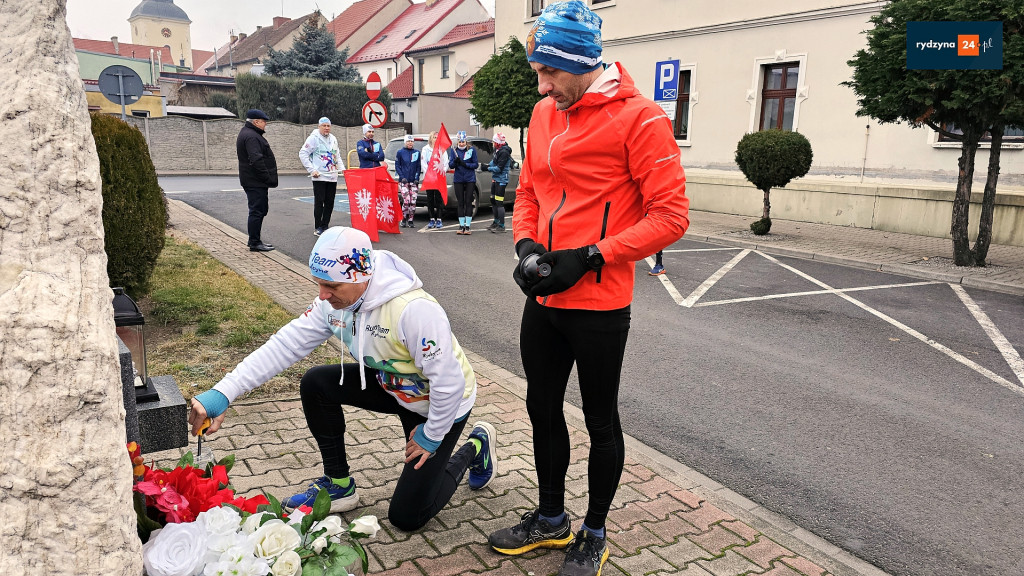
[386, 199]
[434, 179]
[362, 186]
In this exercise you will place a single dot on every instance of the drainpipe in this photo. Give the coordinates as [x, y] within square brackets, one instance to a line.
[864, 161]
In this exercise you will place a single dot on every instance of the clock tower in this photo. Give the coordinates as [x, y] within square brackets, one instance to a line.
[162, 23]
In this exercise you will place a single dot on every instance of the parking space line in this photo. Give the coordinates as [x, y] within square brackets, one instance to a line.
[696, 294]
[814, 292]
[700, 250]
[1002, 344]
[958, 357]
[669, 287]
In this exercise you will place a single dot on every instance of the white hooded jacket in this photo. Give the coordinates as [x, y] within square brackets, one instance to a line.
[399, 330]
[321, 153]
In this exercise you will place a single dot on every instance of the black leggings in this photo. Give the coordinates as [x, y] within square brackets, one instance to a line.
[323, 202]
[419, 494]
[464, 195]
[551, 340]
[434, 204]
[498, 202]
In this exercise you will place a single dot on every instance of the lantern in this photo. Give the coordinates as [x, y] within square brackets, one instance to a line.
[130, 326]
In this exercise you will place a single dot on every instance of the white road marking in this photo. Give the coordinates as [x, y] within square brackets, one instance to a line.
[234, 190]
[178, 192]
[814, 292]
[696, 294]
[1002, 344]
[958, 357]
[667, 284]
[698, 250]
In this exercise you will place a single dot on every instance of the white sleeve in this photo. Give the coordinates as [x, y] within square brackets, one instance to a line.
[423, 322]
[425, 152]
[293, 342]
[341, 159]
[307, 147]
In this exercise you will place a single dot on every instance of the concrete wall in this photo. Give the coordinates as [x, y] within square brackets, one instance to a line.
[454, 112]
[187, 145]
[924, 209]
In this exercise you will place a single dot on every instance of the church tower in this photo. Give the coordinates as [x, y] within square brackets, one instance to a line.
[161, 23]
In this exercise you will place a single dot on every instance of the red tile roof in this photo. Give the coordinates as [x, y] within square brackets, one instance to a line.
[461, 34]
[404, 31]
[401, 87]
[254, 46]
[354, 17]
[198, 58]
[124, 49]
[464, 90]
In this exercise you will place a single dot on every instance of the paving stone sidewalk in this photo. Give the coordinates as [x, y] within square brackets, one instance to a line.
[666, 518]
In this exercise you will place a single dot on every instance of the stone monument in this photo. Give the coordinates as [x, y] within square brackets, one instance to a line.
[65, 484]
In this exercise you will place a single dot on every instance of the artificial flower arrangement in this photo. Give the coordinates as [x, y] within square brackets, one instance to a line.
[192, 523]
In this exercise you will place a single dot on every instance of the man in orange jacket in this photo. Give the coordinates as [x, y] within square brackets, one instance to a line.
[601, 187]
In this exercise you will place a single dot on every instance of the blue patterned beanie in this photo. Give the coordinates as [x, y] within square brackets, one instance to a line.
[566, 36]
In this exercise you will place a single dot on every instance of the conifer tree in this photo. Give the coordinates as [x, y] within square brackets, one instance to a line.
[313, 55]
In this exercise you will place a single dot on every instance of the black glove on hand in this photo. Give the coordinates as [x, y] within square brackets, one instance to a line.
[567, 267]
[525, 247]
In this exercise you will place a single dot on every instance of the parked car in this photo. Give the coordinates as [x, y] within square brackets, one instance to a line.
[484, 147]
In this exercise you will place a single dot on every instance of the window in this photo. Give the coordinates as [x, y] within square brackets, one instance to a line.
[444, 66]
[681, 124]
[778, 96]
[1010, 134]
[598, 1]
[388, 81]
[536, 7]
[419, 63]
[411, 32]
[381, 39]
[141, 113]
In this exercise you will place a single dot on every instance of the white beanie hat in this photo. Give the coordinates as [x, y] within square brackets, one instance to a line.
[342, 255]
[366, 128]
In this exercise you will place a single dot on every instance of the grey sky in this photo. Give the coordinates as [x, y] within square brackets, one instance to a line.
[212, 20]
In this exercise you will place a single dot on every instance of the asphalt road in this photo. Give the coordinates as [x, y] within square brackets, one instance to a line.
[885, 420]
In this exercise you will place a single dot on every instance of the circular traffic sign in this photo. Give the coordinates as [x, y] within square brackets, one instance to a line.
[373, 86]
[375, 113]
[117, 82]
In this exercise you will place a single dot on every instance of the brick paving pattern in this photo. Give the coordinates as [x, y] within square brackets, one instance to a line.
[666, 518]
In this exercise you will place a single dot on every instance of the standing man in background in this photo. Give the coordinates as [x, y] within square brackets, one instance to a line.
[407, 166]
[371, 153]
[601, 187]
[322, 159]
[257, 172]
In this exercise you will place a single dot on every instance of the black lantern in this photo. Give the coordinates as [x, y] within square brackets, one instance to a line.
[130, 327]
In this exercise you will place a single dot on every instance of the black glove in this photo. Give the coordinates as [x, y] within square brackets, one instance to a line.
[525, 247]
[567, 267]
[403, 181]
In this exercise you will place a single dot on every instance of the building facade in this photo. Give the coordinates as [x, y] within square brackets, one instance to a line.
[163, 23]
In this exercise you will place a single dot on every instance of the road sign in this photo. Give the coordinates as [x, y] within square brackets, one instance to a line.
[121, 85]
[373, 86]
[666, 80]
[375, 113]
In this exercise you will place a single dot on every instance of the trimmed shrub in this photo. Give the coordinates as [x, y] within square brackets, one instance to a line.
[304, 100]
[225, 101]
[771, 159]
[134, 208]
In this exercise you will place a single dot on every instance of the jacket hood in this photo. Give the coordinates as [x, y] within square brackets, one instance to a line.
[316, 134]
[392, 277]
[613, 84]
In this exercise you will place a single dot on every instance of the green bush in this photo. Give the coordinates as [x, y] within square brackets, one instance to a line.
[771, 159]
[134, 207]
[304, 100]
[225, 101]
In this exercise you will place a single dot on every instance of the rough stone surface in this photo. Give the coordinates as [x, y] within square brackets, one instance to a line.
[65, 493]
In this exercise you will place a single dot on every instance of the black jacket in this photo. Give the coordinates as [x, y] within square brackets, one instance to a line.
[257, 167]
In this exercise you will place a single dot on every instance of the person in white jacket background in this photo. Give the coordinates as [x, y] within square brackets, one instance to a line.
[408, 363]
[322, 159]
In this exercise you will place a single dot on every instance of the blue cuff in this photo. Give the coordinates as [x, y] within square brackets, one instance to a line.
[214, 401]
[426, 443]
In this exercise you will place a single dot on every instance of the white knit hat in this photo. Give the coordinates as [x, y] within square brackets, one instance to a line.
[342, 255]
[367, 128]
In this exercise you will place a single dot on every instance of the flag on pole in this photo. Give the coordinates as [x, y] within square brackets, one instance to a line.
[362, 186]
[386, 199]
[437, 168]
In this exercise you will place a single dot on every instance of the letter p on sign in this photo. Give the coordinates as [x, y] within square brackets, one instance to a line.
[666, 80]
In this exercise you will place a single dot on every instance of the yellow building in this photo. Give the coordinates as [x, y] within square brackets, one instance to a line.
[162, 23]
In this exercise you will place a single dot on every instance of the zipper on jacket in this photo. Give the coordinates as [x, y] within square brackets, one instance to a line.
[604, 230]
[551, 229]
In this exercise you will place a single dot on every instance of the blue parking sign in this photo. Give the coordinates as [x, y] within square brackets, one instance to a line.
[666, 80]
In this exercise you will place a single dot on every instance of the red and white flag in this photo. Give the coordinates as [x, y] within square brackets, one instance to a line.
[362, 205]
[386, 197]
[434, 179]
